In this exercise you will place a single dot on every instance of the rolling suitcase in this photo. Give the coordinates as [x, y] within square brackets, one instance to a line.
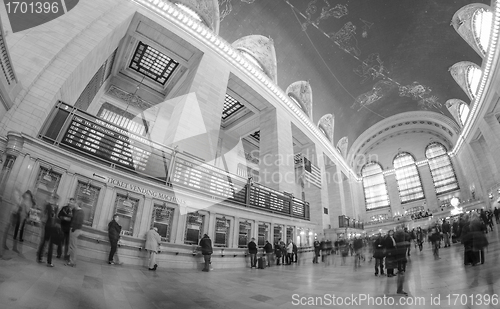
[261, 263]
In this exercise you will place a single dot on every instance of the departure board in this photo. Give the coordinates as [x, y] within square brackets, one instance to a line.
[97, 140]
[208, 179]
[263, 197]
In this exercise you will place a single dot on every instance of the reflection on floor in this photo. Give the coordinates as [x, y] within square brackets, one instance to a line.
[26, 284]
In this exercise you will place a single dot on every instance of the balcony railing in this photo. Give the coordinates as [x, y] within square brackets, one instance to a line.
[88, 136]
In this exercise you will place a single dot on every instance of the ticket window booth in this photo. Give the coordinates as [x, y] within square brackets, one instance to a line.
[46, 184]
[194, 228]
[263, 234]
[244, 234]
[222, 228]
[162, 219]
[87, 196]
[278, 233]
[126, 209]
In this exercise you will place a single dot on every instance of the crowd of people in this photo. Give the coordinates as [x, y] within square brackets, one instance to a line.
[61, 227]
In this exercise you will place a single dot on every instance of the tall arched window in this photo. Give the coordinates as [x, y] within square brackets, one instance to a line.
[409, 184]
[463, 112]
[473, 78]
[481, 26]
[376, 195]
[441, 167]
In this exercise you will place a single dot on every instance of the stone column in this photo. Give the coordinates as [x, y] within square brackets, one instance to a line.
[485, 164]
[465, 182]
[334, 196]
[392, 187]
[236, 232]
[428, 186]
[175, 224]
[14, 147]
[276, 166]
[143, 222]
[181, 227]
[490, 129]
[64, 189]
[211, 226]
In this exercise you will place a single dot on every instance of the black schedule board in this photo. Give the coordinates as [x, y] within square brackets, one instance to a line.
[107, 144]
[208, 179]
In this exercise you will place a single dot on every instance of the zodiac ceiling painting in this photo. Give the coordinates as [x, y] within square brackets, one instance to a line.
[366, 60]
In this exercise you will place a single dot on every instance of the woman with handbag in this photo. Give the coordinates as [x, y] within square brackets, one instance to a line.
[390, 253]
[20, 209]
[51, 229]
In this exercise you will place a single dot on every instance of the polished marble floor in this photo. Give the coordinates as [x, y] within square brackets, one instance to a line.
[26, 284]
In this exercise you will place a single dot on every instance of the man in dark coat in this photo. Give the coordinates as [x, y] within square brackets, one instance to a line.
[378, 254]
[65, 215]
[114, 230]
[51, 224]
[295, 253]
[402, 242]
[268, 249]
[277, 251]
[390, 253]
[206, 251]
[252, 250]
[317, 249]
[446, 229]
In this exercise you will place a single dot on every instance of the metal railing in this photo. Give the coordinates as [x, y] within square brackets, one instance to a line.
[107, 143]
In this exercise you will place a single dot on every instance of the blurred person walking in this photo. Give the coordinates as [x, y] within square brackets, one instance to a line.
[379, 254]
[51, 228]
[76, 230]
[153, 241]
[19, 211]
[65, 215]
[402, 243]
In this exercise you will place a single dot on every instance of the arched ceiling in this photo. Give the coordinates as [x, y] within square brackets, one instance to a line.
[382, 58]
[409, 131]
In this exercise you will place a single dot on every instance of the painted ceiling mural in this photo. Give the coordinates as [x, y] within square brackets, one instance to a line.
[366, 60]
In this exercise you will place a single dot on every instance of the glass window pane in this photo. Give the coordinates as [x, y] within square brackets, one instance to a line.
[441, 168]
[374, 186]
[407, 177]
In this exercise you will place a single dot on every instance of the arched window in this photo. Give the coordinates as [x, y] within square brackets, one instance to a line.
[297, 102]
[323, 131]
[441, 167]
[409, 184]
[481, 26]
[463, 112]
[473, 78]
[376, 195]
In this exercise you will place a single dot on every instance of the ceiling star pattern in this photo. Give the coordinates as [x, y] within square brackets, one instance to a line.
[366, 60]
